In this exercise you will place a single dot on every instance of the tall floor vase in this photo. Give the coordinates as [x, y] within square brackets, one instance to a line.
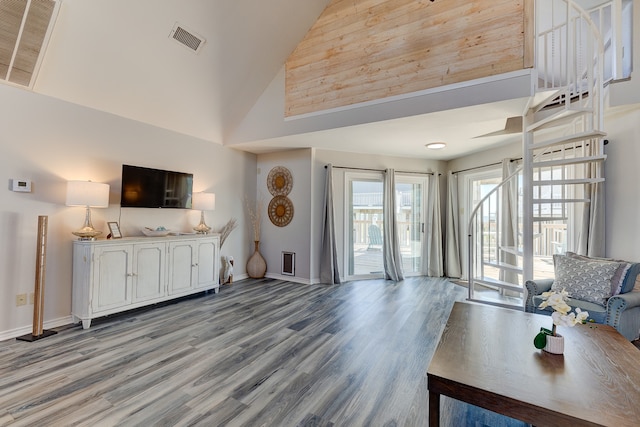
[256, 265]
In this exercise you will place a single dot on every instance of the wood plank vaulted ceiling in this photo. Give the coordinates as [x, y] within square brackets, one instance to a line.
[367, 50]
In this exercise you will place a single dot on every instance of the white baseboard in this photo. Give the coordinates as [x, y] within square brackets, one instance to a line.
[237, 277]
[288, 278]
[55, 323]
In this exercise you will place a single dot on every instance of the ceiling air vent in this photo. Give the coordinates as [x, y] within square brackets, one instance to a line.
[25, 27]
[187, 38]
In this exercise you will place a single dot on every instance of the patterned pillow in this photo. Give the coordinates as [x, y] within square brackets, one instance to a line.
[619, 278]
[584, 280]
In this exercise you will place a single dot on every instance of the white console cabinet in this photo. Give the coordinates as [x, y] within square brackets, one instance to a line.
[110, 276]
[192, 266]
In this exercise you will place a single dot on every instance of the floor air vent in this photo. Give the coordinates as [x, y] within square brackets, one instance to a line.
[187, 38]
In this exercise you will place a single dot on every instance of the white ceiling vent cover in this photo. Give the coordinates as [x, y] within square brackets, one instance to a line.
[187, 38]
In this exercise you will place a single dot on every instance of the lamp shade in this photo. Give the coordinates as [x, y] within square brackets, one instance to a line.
[204, 201]
[87, 193]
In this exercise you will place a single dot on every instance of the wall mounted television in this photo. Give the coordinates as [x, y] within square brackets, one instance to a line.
[155, 188]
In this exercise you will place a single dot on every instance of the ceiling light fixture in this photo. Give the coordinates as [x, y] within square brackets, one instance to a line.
[436, 145]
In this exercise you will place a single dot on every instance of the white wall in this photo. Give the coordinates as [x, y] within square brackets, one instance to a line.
[50, 142]
[296, 236]
[622, 191]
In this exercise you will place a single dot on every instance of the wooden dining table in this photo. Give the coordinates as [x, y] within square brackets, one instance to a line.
[486, 357]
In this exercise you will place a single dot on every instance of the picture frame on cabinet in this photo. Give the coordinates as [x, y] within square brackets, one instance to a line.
[114, 230]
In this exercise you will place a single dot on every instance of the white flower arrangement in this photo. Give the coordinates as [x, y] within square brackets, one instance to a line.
[562, 314]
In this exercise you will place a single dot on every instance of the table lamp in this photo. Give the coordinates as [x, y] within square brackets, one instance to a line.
[90, 195]
[203, 202]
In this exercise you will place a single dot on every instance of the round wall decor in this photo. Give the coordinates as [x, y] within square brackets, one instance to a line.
[280, 211]
[279, 181]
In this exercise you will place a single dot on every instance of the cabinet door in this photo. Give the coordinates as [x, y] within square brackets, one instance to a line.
[207, 264]
[148, 271]
[182, 263]
[112, 278]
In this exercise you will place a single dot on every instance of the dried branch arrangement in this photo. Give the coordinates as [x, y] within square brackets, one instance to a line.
[227, 229]
[255, 215]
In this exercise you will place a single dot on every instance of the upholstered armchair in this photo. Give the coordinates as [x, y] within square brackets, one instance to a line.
[610, 298]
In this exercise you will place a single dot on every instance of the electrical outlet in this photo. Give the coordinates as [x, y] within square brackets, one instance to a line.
[21, 299]
[32, 298]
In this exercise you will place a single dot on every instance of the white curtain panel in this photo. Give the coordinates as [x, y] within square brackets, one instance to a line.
[452, 244]
[391, 246]
[434, 252]
[329, 272]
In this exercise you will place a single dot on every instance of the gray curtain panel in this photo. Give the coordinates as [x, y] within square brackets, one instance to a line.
[592, 234]
[452, 244]
[329, 271]
[434, 264]
[391, 247]
[509, 219]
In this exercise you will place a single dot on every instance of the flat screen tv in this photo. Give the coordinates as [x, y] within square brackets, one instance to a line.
[155, 188]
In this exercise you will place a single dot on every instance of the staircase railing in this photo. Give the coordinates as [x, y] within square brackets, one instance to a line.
[569, 66]
[477, 234]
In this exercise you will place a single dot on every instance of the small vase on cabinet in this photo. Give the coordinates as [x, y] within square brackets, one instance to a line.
[256, 265]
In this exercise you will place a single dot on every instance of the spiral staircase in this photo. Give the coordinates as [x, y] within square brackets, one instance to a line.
[553, 188]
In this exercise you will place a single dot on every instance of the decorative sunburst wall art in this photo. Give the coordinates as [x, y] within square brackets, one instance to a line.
[279, 183]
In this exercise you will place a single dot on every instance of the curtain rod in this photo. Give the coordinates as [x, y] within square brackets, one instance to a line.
[485, 166]
[381, 170]
[605, 142]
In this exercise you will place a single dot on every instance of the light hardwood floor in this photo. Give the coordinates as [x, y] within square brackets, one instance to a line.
[261, 352]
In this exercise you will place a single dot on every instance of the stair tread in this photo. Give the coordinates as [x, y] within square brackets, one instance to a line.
[568, 181]
[582, 136]
[550, 201]
[548, 96]
[499, 283]
[512, 250]
[549, 218]
[569, 161]
[563, 114]
[503, 265]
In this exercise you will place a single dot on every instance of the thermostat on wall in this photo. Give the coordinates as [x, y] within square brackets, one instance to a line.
[22, 185]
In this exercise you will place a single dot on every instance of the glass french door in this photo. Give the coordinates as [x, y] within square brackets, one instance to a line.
[364, 234]
[411, 196]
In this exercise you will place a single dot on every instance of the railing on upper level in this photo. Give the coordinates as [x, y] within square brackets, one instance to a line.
[614, 19]
[568, 56]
